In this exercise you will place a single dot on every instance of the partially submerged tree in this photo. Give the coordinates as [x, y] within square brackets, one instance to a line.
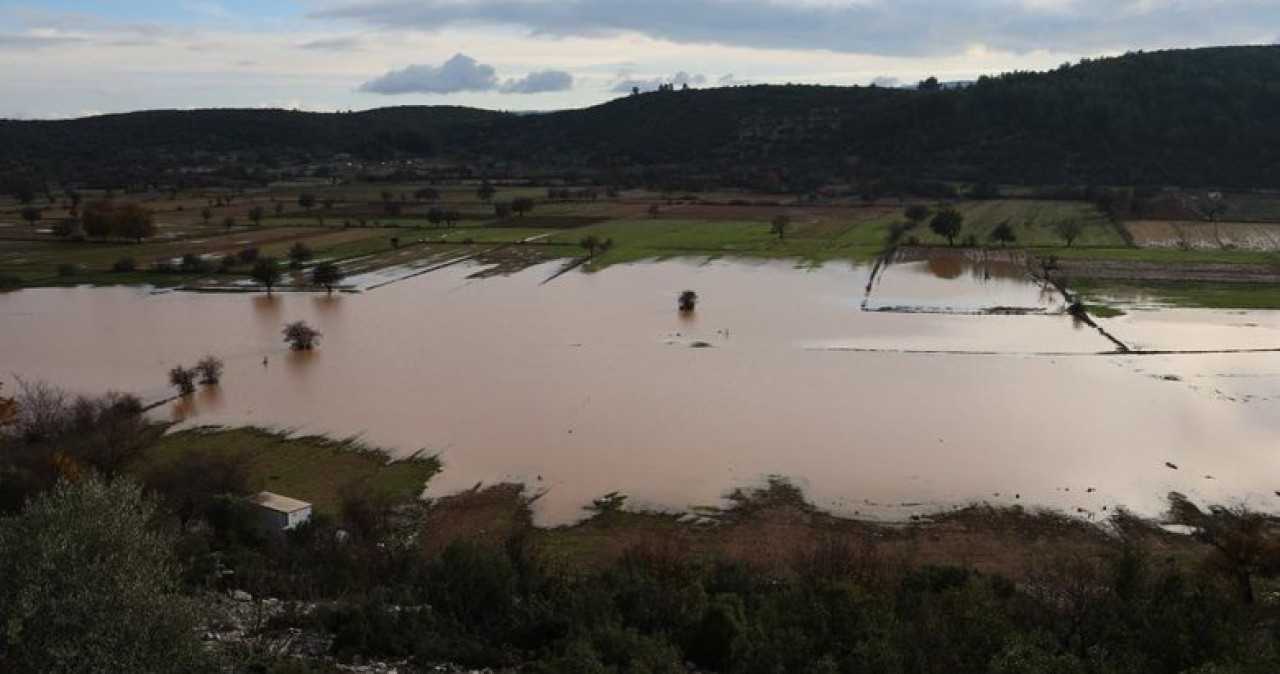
[590, 243]
[326, 275]
[210, 369]
[182, 379]
[300, 336]
[688, 300]
[266, 271]
[947, 223]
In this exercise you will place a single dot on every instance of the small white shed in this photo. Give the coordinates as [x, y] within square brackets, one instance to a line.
[278, 513]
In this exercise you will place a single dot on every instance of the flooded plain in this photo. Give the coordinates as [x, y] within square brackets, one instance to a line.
[594, 383]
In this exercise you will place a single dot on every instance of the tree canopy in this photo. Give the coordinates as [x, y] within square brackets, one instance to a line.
[87, 585]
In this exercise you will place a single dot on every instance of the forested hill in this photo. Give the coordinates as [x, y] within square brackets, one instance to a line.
[1190, 117]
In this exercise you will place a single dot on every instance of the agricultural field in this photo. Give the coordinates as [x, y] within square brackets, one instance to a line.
[364, 228]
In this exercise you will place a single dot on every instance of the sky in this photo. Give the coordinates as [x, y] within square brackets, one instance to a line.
[72, 58]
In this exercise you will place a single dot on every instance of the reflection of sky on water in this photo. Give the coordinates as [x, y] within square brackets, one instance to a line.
[583, 381]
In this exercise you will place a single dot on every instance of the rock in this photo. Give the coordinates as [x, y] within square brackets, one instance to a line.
[241, 595]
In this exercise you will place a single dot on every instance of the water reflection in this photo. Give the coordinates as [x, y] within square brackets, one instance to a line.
[327, 305]
[267, 308]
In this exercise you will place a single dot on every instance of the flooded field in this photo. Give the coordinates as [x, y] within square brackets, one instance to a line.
[594, 383]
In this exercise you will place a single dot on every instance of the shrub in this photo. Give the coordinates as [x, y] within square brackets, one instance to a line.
[124, 265]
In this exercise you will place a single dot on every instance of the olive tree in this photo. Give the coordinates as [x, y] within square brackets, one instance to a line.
[86, 584]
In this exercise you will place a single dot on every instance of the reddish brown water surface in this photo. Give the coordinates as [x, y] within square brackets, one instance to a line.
[592, 383]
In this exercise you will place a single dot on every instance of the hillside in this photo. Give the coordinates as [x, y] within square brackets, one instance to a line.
[1189, 117]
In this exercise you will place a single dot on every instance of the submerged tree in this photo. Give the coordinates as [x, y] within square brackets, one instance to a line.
[210, 369]
[688, 300]
[182, 379]
[300, 336]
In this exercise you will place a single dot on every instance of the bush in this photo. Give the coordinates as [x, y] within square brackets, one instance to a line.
[68, 269]
[124, 265]
[249, 254]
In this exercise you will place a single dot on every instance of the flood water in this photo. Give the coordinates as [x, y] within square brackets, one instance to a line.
[592, 383]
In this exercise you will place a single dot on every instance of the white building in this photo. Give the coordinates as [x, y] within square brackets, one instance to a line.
[278, 513]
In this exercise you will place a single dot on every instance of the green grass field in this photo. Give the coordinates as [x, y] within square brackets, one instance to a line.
[315, 469]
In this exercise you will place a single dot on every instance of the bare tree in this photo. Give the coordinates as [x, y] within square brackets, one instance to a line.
[210, 369]
[1069, 230]
[183, 379]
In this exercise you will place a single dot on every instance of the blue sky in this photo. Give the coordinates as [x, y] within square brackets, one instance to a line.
[65, 58]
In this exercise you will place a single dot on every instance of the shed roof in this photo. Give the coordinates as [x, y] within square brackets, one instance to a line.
[284, 504]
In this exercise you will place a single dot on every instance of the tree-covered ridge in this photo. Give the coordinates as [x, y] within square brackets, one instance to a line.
[1190, 117]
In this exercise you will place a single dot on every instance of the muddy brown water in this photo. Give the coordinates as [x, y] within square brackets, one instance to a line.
[591, 384]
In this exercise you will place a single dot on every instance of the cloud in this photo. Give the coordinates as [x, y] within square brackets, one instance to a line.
[539, 82]
[22, 42]
[333, 44]
[625, 82]
[463, 73]
[460, 73]
[880, 27]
